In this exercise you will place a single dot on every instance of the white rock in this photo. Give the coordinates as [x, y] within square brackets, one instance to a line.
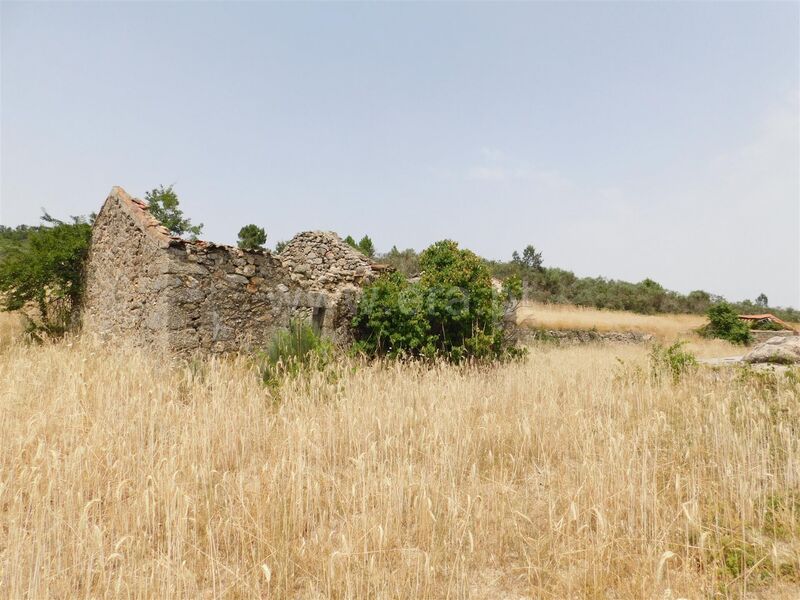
[782, 350]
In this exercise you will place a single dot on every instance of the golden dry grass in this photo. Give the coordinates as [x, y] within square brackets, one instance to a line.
[574, 474]
[563, 316]
[666, 328]
[11, 328]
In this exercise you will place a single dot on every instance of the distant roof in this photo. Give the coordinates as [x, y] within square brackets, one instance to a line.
[767, 317]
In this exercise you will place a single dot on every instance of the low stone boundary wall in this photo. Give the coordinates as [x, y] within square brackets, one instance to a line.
[567, 337]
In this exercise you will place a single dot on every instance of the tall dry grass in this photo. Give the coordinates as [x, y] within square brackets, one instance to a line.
[565, 316]
[575, 474]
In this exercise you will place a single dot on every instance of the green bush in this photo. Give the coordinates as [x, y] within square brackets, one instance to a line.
[292, 350]
[42, 276]
[724, 323]
[452, 312]
[673, 360]
[766, 325]
[391, 320]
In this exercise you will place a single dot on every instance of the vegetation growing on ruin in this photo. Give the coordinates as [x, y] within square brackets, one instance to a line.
[252, 237]
[164, 206]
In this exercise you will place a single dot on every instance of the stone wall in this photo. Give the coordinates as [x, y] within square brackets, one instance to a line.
[155, 288]
[321, 260]
[224, 299]
[577, 336]
[126, 268]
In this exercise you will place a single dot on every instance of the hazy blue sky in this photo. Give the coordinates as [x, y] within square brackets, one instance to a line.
[629, 140]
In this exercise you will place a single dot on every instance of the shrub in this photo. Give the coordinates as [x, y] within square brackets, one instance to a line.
[724, 323]
[291, 350]
[674, 360]
[452, 312]
[43, 275]
[390, 319]
[766, 325]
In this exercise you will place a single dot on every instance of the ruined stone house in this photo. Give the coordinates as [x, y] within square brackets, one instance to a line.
[149, 287]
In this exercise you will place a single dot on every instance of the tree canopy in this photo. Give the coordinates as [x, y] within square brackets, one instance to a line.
[252, 237]
[43, 276]
[164, 207]
[452, 311]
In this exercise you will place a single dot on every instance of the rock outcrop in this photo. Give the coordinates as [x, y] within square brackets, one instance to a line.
[778, 350]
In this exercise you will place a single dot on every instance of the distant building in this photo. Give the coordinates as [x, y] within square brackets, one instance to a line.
[760, 321]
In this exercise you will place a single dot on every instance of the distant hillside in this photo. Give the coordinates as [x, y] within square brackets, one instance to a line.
[558, 286]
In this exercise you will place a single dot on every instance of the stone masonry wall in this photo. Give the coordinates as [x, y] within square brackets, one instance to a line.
[154, 288]
[570, 337]
[224, 299]
[125, 273]
[321, 260]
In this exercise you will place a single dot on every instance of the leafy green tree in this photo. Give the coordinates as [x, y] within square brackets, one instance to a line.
[366, 246]
[698, 301]
[462, 308]
[531, 258]
[11, 236]
[252, 237]
[724, 323]
[43, 276]
[164, 207]
[279, 246]
[405, 261]
[452, 312]
[762, 300]
[512, 289]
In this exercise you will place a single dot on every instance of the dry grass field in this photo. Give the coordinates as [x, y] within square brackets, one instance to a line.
[562, 316]
[573, 474]
[665, 328]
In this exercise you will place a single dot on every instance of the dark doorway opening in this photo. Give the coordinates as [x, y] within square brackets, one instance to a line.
[318, 318]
